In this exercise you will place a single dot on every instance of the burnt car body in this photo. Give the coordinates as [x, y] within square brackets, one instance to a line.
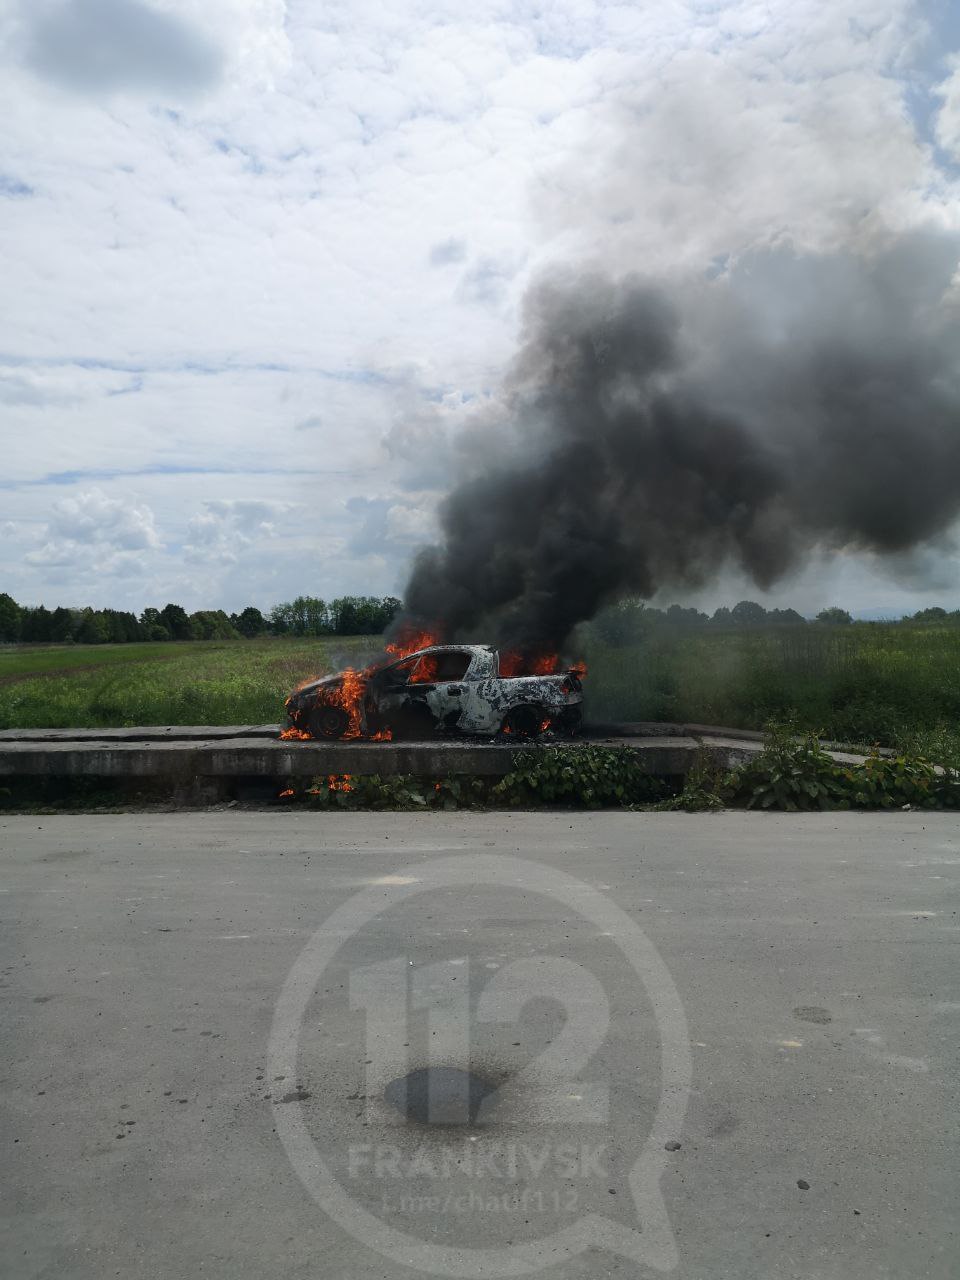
[441, 690]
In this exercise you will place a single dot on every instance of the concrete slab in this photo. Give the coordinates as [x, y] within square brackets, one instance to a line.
[231, 758]
[255, 751]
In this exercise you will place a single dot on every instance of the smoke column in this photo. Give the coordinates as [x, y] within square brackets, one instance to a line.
[647, 436]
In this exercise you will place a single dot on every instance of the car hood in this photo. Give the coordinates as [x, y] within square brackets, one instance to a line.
[325, 682]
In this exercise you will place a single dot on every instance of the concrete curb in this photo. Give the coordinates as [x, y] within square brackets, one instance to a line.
[185, 754]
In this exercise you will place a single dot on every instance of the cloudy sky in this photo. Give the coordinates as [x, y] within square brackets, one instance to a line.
[262, 258]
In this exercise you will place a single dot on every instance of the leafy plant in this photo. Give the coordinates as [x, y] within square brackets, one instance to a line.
[791, 773]
[702, 788]
[795, 773]
[395, 791]
[586, 777]
[885, 782]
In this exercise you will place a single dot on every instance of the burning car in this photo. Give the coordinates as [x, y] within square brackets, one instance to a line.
[442, 689]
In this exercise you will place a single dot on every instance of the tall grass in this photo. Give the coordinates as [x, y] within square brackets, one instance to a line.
[22, 660]
[864, 683]
[889, 684]
[239, 682]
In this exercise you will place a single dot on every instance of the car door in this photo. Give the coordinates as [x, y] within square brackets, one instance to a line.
[446, 670]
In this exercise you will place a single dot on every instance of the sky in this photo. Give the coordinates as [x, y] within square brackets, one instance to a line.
[262, 260]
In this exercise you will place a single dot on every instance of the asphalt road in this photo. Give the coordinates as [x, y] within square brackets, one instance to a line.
[727, 1043]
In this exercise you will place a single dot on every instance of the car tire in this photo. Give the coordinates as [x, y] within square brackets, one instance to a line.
[327, 722]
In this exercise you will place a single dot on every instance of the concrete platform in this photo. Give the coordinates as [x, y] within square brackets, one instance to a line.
[196, 752]
[205, 758]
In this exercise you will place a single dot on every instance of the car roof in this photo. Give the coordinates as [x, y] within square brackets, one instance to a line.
[449, 648]
[441, 648]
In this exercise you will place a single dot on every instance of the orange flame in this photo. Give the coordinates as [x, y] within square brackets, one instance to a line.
[409, 639]
[348, 694]
[426, 671]
[515, 662]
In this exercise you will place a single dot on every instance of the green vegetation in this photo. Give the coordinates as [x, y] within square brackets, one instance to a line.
[305, 616]
[21, 660]
[791, 774]
[189, 683]
[794, 773]
[895, 684]
[592, 777]
[589, 778]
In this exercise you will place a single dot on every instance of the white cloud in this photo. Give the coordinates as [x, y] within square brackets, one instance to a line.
[948, 118]
[416, 525]
[93, 519]
[230, 287]
[92, 535]
[228, 526]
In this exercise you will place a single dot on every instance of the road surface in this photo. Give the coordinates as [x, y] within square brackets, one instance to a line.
[194, 1054]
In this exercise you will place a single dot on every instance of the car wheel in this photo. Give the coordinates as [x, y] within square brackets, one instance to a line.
[524, 722]
[327, 722]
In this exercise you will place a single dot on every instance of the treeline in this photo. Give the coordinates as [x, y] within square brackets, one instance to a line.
[346, 616]
[366, 616]
[305, 616]
[623, 622]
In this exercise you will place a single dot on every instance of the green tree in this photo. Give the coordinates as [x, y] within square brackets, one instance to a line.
[35, 624]
[362, 615]
[281, 620]
[153, 627]
[212, 624]
[250, 622]
[174, 618]
[834, 617]
[94, 628]
[62, 624]
[626, 622]
[10, 617]
[933, 614]
[747, 613]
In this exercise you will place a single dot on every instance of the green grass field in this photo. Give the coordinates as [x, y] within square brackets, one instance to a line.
[866, 683]
[194, 682]
[27, 660]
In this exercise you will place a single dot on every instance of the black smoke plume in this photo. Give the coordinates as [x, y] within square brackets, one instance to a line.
[648, 437]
